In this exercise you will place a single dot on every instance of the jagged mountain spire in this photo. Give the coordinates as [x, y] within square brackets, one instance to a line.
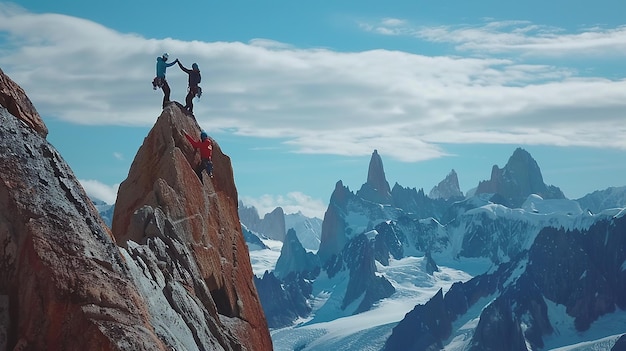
[447, 188]
[519, 178]
[376, 189]
[376, 174]
[333, 236]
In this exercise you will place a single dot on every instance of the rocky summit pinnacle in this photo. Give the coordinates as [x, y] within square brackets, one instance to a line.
[187, 229]
[181, 280]
[376, 189]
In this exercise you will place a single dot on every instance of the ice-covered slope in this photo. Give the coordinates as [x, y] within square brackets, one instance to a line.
[560, 292]
[367, 330]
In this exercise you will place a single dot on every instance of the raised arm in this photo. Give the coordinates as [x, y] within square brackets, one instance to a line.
[194, 143]
[183, 67]
[171, 63]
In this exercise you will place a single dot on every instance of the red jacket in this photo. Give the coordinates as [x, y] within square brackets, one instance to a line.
[206, 147]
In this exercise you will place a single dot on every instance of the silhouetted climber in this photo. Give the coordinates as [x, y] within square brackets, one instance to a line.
[193, 89]
[159, 81]
[205, 145]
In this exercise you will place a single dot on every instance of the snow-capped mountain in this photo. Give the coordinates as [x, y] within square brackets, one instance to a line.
[274, 225]
[447, 188]
[308, 230]
[295, 259]
[614, 197]
[549, 296]
[428, 250]
[105, 210]
[252, 240]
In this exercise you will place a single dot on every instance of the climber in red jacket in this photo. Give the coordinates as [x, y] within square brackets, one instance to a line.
[205, 145]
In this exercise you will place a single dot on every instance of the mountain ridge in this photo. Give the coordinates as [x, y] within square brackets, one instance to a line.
[480, 230]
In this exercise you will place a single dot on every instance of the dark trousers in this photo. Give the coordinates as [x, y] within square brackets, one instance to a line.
[189, 98]
[166, 92]
[205, 164]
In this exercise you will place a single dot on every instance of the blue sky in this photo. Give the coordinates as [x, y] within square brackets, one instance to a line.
[299, 94]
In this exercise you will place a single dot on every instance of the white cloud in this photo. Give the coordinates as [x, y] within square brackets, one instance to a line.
[292, 202]
[521, 37]
[323, 101]
[98, 190]
[118, 156]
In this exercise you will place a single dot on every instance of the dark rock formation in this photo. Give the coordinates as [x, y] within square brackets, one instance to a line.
[580, 269]
[334, 225]
[358, 256]
[309, 230]
[448, 188]
[415, 203]
[430, 265]
[408, 237]
[284, 300]
[496, 237]
[272, 225]
[388, 242]
[498, 329]
[519, 178]
[376, 189]
[429, 325]
[253, 241]
[620, 344]
[337, 232]
[295, 259]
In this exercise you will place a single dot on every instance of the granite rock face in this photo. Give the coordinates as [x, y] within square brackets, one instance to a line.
[182, 279]
[188, 230]
[63, 283]
[14, 99]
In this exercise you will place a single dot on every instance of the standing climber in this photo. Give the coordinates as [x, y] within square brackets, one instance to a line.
[159, 81]
[193, 89]
[206, 152]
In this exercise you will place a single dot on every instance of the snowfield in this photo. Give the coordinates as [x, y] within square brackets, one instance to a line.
[331, 328]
